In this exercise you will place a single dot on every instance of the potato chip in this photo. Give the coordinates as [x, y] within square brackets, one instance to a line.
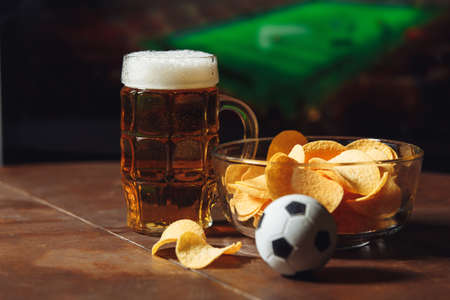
[377, 190]
[363, 178]
[284, 177]
[256, 182]
[324, 149]
[247, 206]
[256, 219]
[191, 249]
[285, 141]
[279, 174]
[297, 153]
[252, 172]
[406, 152]
[174, 230]
[242, 187]
[383, 202]
[317, 163]
[350, 222]
[231, 205]
[325, 191]
[233, 248]
[326, 169]
[258, 215]
[234, 173]
[248, 217]
[369, 145]
[249, 197]
[378, 155]
[377, 150]
[351, 181]
[194, 252]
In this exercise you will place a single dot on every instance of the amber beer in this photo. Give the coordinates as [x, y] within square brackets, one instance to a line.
[169, 125]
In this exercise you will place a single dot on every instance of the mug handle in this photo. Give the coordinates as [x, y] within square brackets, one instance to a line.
[244, 112]
[251, 131]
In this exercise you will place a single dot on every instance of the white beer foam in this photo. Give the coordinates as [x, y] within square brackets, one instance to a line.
[169, 70]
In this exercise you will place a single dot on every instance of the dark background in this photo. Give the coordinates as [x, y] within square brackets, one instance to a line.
[61, 64]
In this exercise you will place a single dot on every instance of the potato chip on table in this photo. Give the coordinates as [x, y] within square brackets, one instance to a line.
[192, 249]
[194, 252]
[174, 230]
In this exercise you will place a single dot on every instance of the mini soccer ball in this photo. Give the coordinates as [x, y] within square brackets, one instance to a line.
[295, 234]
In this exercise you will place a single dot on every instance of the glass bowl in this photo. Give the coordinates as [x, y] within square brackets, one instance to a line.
[355, 229]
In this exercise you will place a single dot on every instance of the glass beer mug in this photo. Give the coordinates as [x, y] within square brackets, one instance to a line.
[169, 126]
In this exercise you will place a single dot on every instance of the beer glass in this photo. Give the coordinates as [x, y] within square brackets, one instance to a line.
[169, 126]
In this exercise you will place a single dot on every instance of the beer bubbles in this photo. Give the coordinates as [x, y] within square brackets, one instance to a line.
[169, 70]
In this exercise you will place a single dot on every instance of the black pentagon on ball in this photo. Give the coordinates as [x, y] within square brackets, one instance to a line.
[282, 248]
[296, 208]
[322, 240]
[260, 221]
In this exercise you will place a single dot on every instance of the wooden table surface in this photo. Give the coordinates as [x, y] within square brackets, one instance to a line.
[63, 236]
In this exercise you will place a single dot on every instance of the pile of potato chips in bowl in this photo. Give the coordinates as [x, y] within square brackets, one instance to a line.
[368, 185]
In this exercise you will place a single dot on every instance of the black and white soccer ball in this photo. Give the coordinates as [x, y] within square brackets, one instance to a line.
[295, 234]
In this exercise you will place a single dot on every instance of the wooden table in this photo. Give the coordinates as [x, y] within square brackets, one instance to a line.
[63, 236]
